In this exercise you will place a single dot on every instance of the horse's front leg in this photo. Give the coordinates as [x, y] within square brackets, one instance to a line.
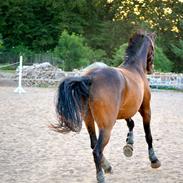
[146, 115]
[128, 148]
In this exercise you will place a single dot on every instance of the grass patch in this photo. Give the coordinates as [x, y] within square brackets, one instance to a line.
[166, 88]
[7, 66]
[8, 71]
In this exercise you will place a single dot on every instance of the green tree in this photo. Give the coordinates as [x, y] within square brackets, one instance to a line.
[1, 43]
[106, 24]
[177, 56]
[73, 50]
[163, 16]
[31, 23]
[161, 62]
[119, 55]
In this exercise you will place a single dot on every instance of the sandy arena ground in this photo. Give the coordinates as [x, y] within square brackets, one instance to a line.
[31, 153]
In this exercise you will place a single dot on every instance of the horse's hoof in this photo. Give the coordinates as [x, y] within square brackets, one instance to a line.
[100, 177]
[106, 165]
[108, 170]
[156, 164]
[128, 150]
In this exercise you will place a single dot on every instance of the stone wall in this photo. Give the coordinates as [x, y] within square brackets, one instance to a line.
[43, 74]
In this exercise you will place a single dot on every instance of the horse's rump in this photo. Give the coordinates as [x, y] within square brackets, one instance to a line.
[105, 94]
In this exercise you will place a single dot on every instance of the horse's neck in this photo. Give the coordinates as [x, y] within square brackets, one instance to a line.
[142, 54]
[140, 62]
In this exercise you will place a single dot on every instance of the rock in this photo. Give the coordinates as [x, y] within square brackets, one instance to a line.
[43, 74]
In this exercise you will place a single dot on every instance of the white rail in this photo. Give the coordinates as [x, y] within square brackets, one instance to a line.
[166, 80]
[19, 89]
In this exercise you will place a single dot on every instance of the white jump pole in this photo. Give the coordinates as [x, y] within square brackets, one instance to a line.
[19, 89]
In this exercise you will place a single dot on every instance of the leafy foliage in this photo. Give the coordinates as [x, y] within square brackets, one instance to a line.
[161, 62]
[31, 23]
[163, 15]
[105, 25]
[177, 51]
[73, 50]
[1, 43]
[119, 55]
[21, 50]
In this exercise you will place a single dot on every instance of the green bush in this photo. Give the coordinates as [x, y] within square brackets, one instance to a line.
[21, 50]
[1, 43]
[177, 58]
[119, 55]
[161, 62]
[99, 55]
[75, 53]
[73, 50]
[9, 56]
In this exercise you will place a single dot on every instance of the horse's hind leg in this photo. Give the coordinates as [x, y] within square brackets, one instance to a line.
[104, 135]
[128, 148]
[146, 115]
[89, 122]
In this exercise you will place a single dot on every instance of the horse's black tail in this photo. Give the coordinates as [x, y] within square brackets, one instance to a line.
[73, 93]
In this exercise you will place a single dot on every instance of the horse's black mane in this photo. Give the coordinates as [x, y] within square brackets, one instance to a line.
[134, 45]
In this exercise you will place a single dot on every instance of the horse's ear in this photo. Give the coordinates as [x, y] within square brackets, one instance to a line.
[153, 35]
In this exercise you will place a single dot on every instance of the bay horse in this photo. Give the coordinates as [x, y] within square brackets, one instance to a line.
[103, 95]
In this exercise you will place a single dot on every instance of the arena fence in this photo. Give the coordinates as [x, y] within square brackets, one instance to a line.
[167, 80]
[31, 58]
[157, 80]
